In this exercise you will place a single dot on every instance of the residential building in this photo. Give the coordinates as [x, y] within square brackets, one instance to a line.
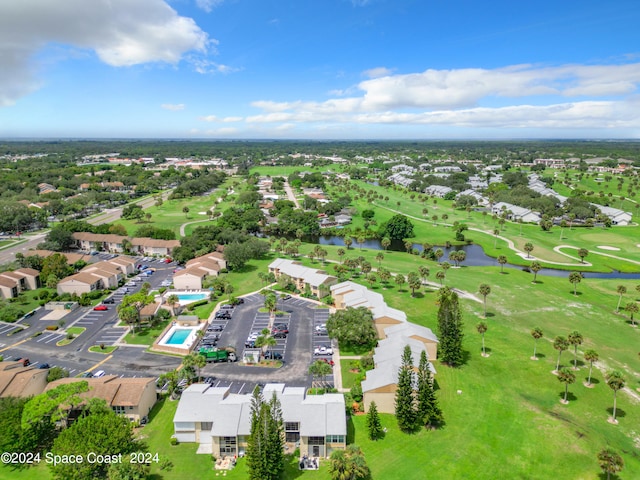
[71, 257]
[516, 213]
[351, 294]
[317, 281]
[131, 397]
[16, 380]
[220, 421]
[197, 269]
[99, 242]
[79, 283]
[153, 247]
[8, 288]
[617, 216]
[395, 332]
[437, 190]
[31, 276]
[482, 201]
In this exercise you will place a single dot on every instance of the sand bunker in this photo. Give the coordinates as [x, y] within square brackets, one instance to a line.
[202, 213]
[607, 247]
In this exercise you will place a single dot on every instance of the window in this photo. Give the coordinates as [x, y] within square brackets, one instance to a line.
[291, 426]
[291, 437]
[227, 445]
[206, 426]
[315, 441]
[118, 409]
[335, 438]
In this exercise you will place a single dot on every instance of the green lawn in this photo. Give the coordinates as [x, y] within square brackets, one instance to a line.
[203, 311]
[348, 377]
[145, 335]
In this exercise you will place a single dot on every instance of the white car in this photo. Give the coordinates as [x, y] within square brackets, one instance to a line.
[321, 329]
[323, 350]
[98, 374]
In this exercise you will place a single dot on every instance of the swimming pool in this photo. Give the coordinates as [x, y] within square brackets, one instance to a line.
[179, 336]
[191, 297]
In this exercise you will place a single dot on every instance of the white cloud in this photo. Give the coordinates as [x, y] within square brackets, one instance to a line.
[120, 32]
[208, 5]
[232, 119]
[377, 72]
[208, 118]
[204, 66]
[567, 96]
[222, 132]
[174, 107]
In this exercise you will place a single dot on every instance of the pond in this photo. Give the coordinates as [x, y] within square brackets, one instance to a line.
[475, 256]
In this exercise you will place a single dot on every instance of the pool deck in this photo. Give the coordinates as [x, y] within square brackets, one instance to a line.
[160, 346]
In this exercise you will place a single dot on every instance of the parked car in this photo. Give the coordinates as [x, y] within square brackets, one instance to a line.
[226, 306]
[99, 373]
[86, 375]
[321, 329]
[222, 316]
[101, 308]
[26, 362]
[29, 314]
[327, 360]
[279, 332]
[210, 380]
[168, 260]
[43, 366]
[323, 350]
[272, 355]
[286, 297]
[250, 343]
[107, 300]
[215, 328]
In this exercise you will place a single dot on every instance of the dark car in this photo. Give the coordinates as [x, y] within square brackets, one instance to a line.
[210, 380]
[239, 301]
[279, 332]
[286, 297]
[108, 300]
[26, 362]
[250, 343]
[30, 314]
[273, 356]
[43, 366]
[223, 315]
[226, 306]
[215, 328]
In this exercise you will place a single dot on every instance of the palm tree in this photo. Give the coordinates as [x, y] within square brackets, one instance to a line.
[439, 253]
[567, 377]
[340, 253]
[590, 356]
[621, 291]
[528, 247]
[360, 241]
[172, 300]
[535, 268]
[632, 307]
[484, 290]
[185, 210]
[502, 260]
[379, 258]
[616, 382]
[496, 232]
[610, 462]
[348, 241]
[575, 278]
[575, 339]
[400, 280]
[424, 272]
[560, 343]
[482, 329]
[440, 275]
[537, 334]
[385, 242]
[265, 341]
[299, 233]
[408, 245]
[270, 303]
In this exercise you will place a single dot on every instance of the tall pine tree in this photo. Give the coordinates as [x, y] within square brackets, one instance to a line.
[449, 328]
[265, 447]
[406, 413]
[373, 422]
[429, 412]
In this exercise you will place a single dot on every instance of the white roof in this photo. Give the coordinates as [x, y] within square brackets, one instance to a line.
[408, 329]
[311, 276]
[230, 414]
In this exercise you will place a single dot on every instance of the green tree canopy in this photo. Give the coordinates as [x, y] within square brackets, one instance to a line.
[398, 227]
[353, 326]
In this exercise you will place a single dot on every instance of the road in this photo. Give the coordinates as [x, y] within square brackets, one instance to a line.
[290, 195]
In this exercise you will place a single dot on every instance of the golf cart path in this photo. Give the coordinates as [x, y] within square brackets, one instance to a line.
[522, 254]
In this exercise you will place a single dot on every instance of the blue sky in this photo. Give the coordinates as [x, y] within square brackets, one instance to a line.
[320, 69]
